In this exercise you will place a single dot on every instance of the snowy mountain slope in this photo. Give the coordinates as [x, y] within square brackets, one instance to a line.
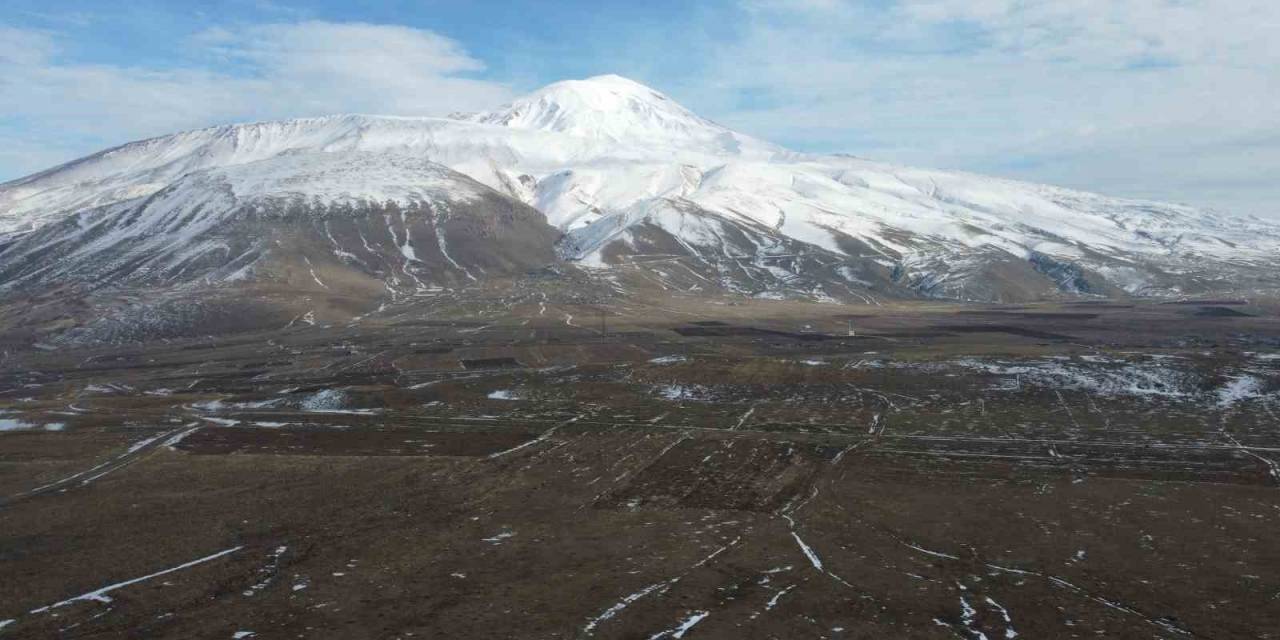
[623, 170]
[940, 232]
[351, 222]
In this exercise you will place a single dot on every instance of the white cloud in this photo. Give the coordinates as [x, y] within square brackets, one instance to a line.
[282, 70]
[20, 47]
[1153, 98]
[360, 67]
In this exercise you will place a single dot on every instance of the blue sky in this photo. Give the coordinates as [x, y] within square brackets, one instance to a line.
[1163, 99]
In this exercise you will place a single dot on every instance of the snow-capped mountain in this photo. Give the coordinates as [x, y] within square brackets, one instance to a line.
[630, 177]
[337, 223]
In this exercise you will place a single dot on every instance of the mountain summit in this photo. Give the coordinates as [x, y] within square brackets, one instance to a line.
[620, 177]
[617, 109]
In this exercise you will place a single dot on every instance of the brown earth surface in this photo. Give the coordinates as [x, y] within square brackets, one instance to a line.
[515, 466]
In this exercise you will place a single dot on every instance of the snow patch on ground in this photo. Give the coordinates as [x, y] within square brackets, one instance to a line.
[1238, 389]
[325, 400]
[13, 424]
[681, 392]
[1129, 379]
[668, 360]
[500, 537]
[682, 628]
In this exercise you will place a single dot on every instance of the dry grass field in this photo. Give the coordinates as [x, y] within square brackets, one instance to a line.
[550, 466]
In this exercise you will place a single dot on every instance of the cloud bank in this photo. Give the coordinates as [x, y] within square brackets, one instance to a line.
[1166, 99]
[257, 72]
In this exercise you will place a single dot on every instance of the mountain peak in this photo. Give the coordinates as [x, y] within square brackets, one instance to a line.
[612, 108]
[615, 79]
